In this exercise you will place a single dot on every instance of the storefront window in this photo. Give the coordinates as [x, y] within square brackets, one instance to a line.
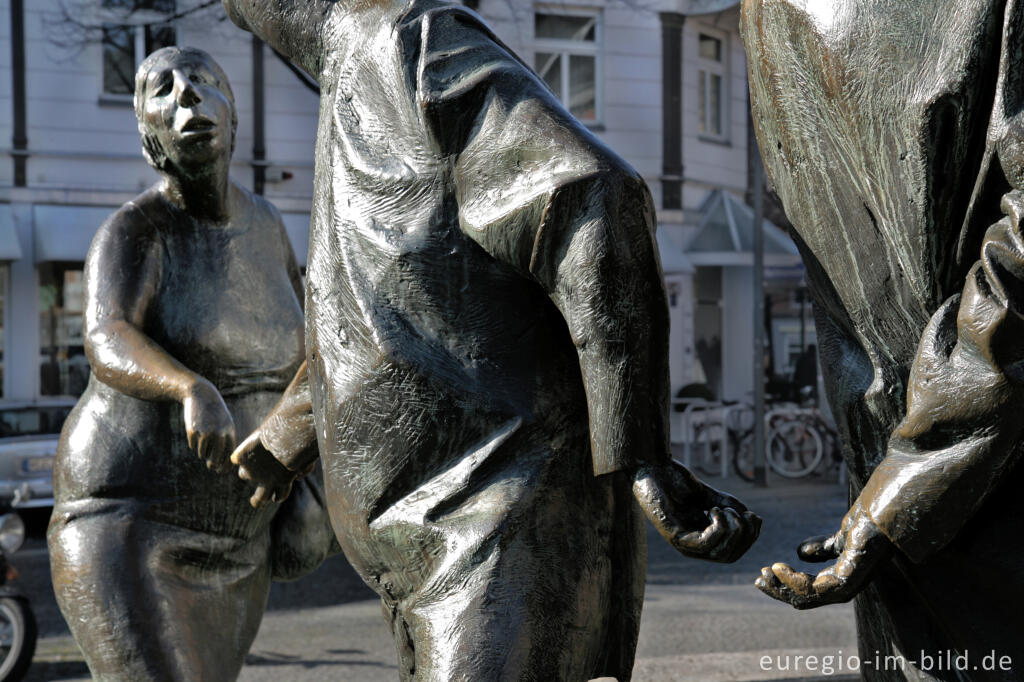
[63, 369]
[3, 308]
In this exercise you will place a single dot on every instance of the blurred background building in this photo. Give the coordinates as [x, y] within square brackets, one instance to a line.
[662, 82]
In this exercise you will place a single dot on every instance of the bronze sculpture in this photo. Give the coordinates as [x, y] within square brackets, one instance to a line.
[486, 331]
[892, 132]
[193, 328]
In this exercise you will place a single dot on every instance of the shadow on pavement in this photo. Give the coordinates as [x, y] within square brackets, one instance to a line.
[54, 671]
[274, 659]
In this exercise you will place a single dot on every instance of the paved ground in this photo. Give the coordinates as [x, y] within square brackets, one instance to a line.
[701, 621]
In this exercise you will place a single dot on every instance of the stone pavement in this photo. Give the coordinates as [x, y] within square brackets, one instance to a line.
[702, 621]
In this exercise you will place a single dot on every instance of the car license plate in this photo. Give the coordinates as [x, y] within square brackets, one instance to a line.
[37, 464]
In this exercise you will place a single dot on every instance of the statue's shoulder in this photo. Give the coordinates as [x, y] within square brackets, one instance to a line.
[264, 208]
[141, 215]
[267, 222]
[131, 226]
[450, 40]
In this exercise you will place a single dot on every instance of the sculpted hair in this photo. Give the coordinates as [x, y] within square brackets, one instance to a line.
[151, 148]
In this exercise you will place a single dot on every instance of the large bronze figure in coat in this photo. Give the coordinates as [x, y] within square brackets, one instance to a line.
[893, 134]
[487, 339]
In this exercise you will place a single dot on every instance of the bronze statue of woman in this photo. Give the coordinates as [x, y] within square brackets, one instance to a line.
[193, 328]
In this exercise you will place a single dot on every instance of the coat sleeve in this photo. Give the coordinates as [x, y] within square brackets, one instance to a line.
[538, 192]
[294, 28]
[963, 420]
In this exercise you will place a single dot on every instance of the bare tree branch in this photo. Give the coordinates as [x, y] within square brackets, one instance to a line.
[75, 24]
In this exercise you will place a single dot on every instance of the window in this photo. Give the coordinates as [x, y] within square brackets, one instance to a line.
[567, 58]
[711, 86]
[3, 304]
[63, 369]
[125, 45]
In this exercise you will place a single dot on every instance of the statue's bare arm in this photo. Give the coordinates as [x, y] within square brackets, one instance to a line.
[122, 272]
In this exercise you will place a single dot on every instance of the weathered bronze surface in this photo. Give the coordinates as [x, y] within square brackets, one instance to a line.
[486, 330]
[193, 328]
[892, 132]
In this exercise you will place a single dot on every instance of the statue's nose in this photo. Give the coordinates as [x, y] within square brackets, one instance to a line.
[185, 91]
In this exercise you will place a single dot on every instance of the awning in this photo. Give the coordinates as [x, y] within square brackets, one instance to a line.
[725, 236]
[10, 248]
[691, 7]
[63, 233]
[297, 227]
[673, 261]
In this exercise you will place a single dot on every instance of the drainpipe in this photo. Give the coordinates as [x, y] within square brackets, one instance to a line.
[259, 148]
[760, 475]
[672, 109]
[20, 138]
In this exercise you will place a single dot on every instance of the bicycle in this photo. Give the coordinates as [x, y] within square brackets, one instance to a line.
[796, 442]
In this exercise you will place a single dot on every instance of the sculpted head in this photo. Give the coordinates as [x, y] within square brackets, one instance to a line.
[185, 108]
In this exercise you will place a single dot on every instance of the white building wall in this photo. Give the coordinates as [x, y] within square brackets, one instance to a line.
[80, 140]
[709, 163]
[69, 133]
[291, 123]
[737, 333]
[630, 73]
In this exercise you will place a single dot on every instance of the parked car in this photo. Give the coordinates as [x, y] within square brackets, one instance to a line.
[28, 444]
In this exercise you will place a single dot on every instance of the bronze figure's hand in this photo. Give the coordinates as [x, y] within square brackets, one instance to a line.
[258, 466]
[858, 547]
[209, 426]
[696, 519]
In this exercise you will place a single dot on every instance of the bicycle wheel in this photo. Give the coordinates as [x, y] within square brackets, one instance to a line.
[794, 449]
[832, 453]
[707, 448]
[17, 637]
[743, 447]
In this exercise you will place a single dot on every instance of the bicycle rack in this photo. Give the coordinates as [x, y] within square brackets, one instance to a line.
[692, 406]
[727, 411]
[714, 412]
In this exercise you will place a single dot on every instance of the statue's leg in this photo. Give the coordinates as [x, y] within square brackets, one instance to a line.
[151, 601]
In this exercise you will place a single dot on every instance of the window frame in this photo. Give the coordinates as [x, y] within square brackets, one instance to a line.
[58, 313]
[136, 22]
[566, 48]
[718, 68]
[5, 328]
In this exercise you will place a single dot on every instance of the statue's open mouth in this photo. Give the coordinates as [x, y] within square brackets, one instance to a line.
[198, 124]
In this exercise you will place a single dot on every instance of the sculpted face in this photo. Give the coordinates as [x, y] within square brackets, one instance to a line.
[185, 109]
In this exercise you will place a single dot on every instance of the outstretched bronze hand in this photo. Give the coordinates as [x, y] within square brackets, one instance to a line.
[858, 547]
[696, 519]
[258, 466]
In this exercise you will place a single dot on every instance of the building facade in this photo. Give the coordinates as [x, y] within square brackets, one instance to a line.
[663, 84]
